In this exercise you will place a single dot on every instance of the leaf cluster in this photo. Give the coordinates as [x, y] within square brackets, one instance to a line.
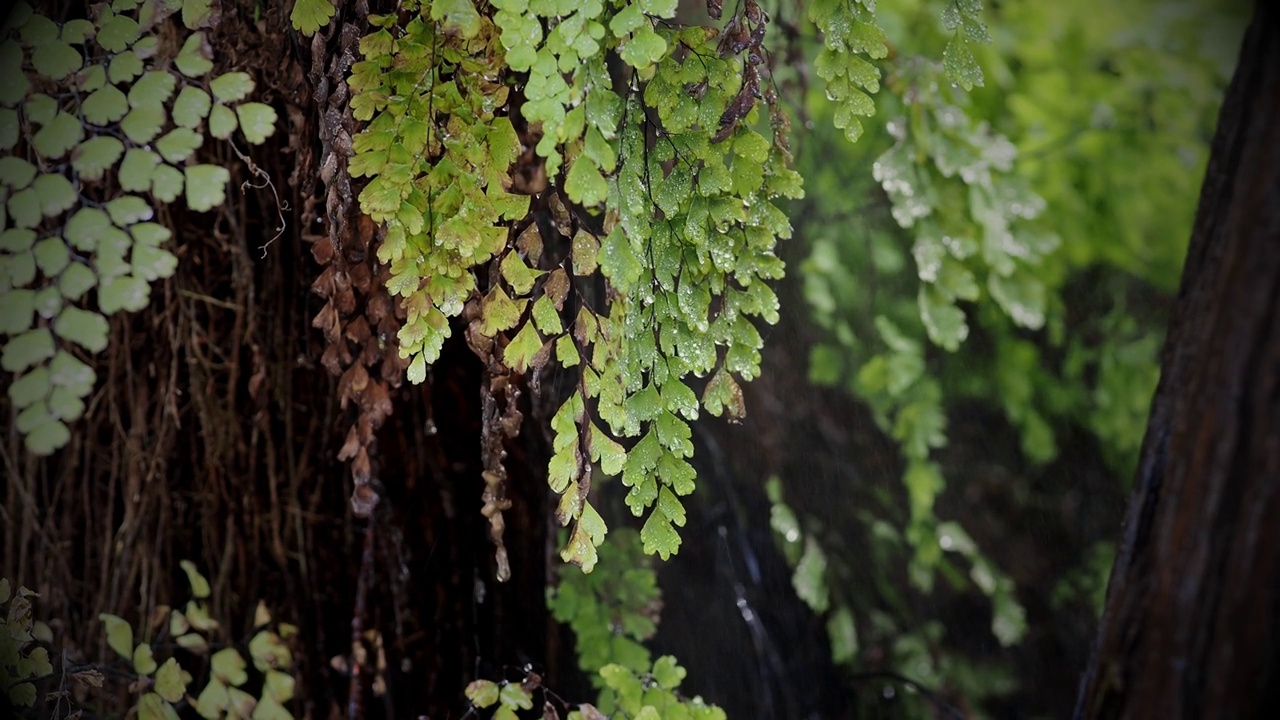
[22, 660]
[662, 186]
[613, 610]
[165, 687]
[101, 120]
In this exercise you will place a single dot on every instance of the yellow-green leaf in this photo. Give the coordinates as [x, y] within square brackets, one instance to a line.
[169, 682]
[119, 635]
[199, 585]
[308, 16]
[143, 661]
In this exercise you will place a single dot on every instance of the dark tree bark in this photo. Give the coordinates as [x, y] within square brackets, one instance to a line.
[1191, 626]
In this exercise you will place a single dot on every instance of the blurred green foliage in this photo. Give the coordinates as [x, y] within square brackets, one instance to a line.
[1011, 242]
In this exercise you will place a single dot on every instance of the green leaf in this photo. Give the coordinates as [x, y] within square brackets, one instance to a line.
[153, 707]
[231, 87]
[123, 293]
[599, 150]
[179, 144]
[24, 209]
[169, 682]
[658, 535]
[585, 253]
[195, 13]
[547, 317]
[193, 642]
[16, 173]
[137, 169]
[76, 279]
[58, 136]
[66, 404]
[56, 60]
[17, 310]
[105, 105]
[144, 663]
[810, 577]
[118, 33]
[269, 708]
[229, 667]
[222, 122]
[587, 536]
[618, 261]
[567, 352]
[93, 157]
[40, 109]
[151, 263]
[1022, 297]
[206, 186]
[518, 274]
[143, 123]
[944, 321]
[608, 452]
[84, 328]
[199, 585]
[51, 255]
[86, 227]
[960, 65]
[482, 693]
[584, 183]
[17, 240]
[196, 57]
[71, 373]
[643, 48]
[166, 183]
[269, 651]
[191, 107]
[308, 16]
[1008, 618]
[214, 699]
[667, 673]
[279, 686]
[124, 67]
[29, 348]
[459, 16]
[30, 388]
[520, 352]
[48, 301]
[128, 209]
[77, 31]
[13, 83]
[55, 193]
[46, 437]
[155, 87]
[119, 635]
[513, 695]
[504, 143]
[257, 121]
[90, 80]
[500, 312]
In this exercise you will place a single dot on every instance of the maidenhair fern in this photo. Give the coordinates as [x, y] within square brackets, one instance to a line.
[949, 180]
[100, 123]
[849, 31]
[656, 175]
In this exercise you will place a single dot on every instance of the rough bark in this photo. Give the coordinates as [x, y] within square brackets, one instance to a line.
[1192, 622]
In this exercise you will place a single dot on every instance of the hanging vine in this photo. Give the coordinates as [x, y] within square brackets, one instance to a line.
[634, 246]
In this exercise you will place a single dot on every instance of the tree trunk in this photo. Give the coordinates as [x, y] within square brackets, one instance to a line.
[1191, 626]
